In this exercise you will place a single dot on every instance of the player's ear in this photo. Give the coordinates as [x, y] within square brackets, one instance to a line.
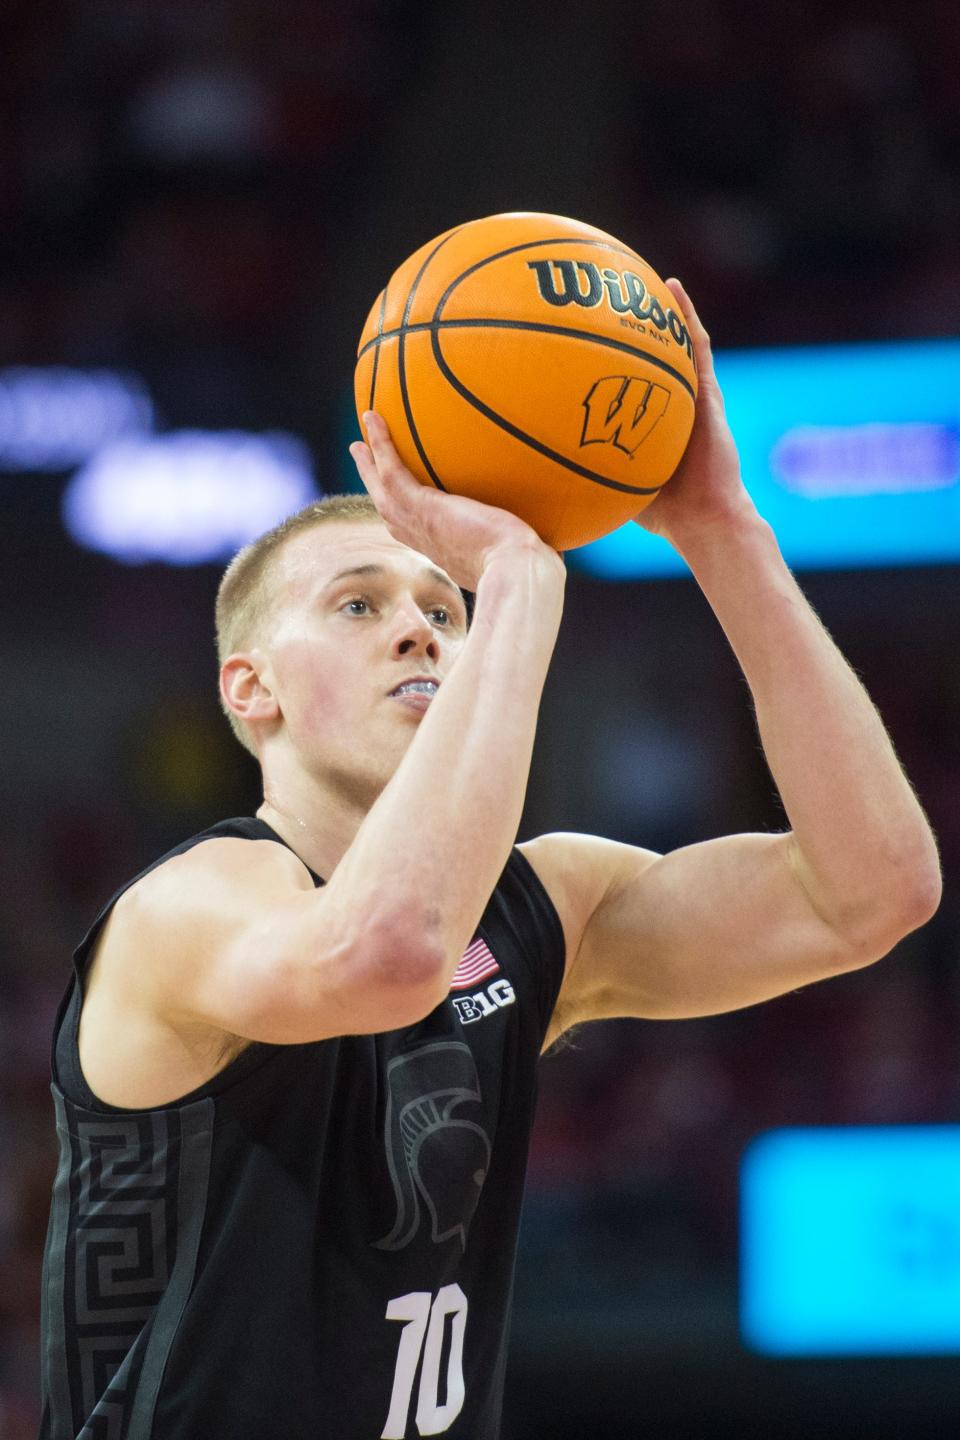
[245, 689]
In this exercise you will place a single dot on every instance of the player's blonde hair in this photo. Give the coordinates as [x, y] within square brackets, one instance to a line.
[246, 596]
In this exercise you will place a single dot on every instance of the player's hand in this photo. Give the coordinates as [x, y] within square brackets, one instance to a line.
[458, 534]
[706, 487]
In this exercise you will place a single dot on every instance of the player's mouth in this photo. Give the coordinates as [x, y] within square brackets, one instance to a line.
[417, 693]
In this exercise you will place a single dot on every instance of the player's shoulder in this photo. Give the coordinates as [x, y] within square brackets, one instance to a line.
[569, 854]
[562, 858]
[218, 872]
[578, 871]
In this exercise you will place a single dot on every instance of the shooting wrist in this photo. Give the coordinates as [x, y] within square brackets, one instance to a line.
[519, 566]
[738, 536]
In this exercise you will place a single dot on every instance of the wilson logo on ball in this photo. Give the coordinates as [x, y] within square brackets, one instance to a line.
[625, 293]
[622, 410]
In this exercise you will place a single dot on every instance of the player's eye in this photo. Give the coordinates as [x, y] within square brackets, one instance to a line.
[357, 606]
[440, 615]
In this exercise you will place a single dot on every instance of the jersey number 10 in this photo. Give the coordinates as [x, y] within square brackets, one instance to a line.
[426, 1316]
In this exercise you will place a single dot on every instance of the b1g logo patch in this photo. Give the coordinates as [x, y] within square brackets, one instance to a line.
[485, 1002]
[622, 410]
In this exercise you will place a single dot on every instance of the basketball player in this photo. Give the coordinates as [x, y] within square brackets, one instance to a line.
[294, 1072]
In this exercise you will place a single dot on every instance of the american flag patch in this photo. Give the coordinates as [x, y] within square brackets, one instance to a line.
[476, 963]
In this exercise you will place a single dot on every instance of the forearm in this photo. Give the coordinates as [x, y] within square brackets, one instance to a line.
[433, 845]
[862, 848]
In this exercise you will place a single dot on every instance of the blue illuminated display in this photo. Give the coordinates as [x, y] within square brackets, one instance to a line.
[850, 1241]
[852, 452]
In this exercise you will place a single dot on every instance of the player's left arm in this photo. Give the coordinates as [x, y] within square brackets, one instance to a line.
[732, 921]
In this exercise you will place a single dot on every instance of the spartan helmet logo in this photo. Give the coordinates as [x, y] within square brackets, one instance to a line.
[433, 1154]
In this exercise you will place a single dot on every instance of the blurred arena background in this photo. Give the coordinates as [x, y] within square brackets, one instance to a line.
[198, 203]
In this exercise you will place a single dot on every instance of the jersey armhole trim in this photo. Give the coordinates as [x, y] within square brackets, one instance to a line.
[533, 882]
[550, 969]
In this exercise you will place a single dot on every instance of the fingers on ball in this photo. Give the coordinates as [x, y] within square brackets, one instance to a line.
[365, 463]
[689, 309]
[378, 431]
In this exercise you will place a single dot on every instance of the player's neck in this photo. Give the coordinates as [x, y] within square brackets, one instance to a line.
[318, 826]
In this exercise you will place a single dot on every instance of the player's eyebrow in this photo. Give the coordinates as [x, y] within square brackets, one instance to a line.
[429, 570]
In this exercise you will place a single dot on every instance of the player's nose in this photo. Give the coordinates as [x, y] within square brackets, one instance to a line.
[412, 633]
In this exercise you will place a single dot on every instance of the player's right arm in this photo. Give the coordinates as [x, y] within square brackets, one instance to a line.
[234, 933]
[232, 937]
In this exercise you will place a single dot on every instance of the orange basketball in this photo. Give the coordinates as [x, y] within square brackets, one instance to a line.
[534, 363]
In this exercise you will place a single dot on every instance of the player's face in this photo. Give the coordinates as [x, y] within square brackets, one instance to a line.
[360, 617]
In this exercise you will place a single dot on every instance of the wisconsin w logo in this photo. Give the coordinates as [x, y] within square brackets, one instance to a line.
[622, 410]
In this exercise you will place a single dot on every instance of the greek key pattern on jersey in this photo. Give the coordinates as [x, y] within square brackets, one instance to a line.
[126, 1174]
[126, 1224]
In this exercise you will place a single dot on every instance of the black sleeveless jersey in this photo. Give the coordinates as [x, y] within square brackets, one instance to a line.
[319, 1243]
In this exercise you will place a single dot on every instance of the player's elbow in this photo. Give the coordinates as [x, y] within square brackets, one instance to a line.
[906, 900]
[408, 964]
[919, 895]
[916, 888]
[927, 888]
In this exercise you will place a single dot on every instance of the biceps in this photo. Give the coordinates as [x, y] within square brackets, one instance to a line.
[708, 928]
